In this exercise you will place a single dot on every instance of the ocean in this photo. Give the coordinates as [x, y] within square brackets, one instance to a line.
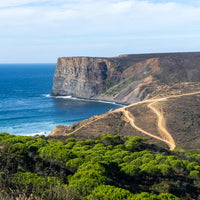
[26, 107]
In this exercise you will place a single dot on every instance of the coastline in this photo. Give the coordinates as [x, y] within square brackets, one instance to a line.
[121, 105]
[88, 99]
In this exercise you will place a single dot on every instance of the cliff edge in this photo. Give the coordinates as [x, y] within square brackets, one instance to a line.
[124, 79]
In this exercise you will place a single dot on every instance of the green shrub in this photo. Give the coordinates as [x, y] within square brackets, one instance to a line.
[107, 192]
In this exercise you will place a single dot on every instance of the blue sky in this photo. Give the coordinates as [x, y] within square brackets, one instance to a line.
[40, 31]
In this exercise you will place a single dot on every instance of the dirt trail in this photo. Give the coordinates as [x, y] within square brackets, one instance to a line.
[162, 126]
[163, 98]
[84, 125]
[165, 135]
[131, 119]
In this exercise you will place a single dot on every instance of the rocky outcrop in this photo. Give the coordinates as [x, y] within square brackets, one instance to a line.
[83, 77]
[124, 79]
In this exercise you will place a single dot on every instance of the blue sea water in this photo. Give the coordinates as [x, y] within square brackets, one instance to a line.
[25, 104]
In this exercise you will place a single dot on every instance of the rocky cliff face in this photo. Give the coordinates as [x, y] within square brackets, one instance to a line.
[83, 77]
[124, 79]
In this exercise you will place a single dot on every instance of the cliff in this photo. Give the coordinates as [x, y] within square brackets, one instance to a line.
[83, 77]
[125, 79]
[166, 88]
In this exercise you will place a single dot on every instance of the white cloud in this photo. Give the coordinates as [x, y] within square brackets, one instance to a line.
[11, 3]
[30, 22]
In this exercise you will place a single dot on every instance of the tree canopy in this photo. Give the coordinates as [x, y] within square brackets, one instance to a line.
[105, 167]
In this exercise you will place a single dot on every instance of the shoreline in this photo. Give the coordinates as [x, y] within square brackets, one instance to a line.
[47, 133]
[88, 99]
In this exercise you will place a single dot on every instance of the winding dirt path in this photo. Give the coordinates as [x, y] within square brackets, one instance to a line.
[165, 136]
[162, 126]
[84, 125]
[131, 119]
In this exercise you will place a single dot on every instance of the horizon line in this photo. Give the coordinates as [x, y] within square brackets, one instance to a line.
[125, 54]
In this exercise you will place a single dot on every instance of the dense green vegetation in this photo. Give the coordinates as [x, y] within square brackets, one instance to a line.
[107, 167]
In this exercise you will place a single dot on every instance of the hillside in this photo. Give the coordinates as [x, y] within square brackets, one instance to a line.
[125, 79]
[179, 120]
[161, 91]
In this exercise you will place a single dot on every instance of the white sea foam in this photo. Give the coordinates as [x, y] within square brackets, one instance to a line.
[63, 97]
[45, 133]
[81, 99]
[46, 95]
[100, 101]
[57, 97]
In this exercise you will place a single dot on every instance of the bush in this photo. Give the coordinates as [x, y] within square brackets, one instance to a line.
[133, 142]
[107, 192]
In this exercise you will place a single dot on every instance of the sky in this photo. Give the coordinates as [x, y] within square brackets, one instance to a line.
[40, 31]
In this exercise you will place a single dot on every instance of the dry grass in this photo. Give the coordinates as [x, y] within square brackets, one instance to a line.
[58, 193]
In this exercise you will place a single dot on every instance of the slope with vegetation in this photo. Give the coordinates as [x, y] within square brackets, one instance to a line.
[99, 167]
[169, 117]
